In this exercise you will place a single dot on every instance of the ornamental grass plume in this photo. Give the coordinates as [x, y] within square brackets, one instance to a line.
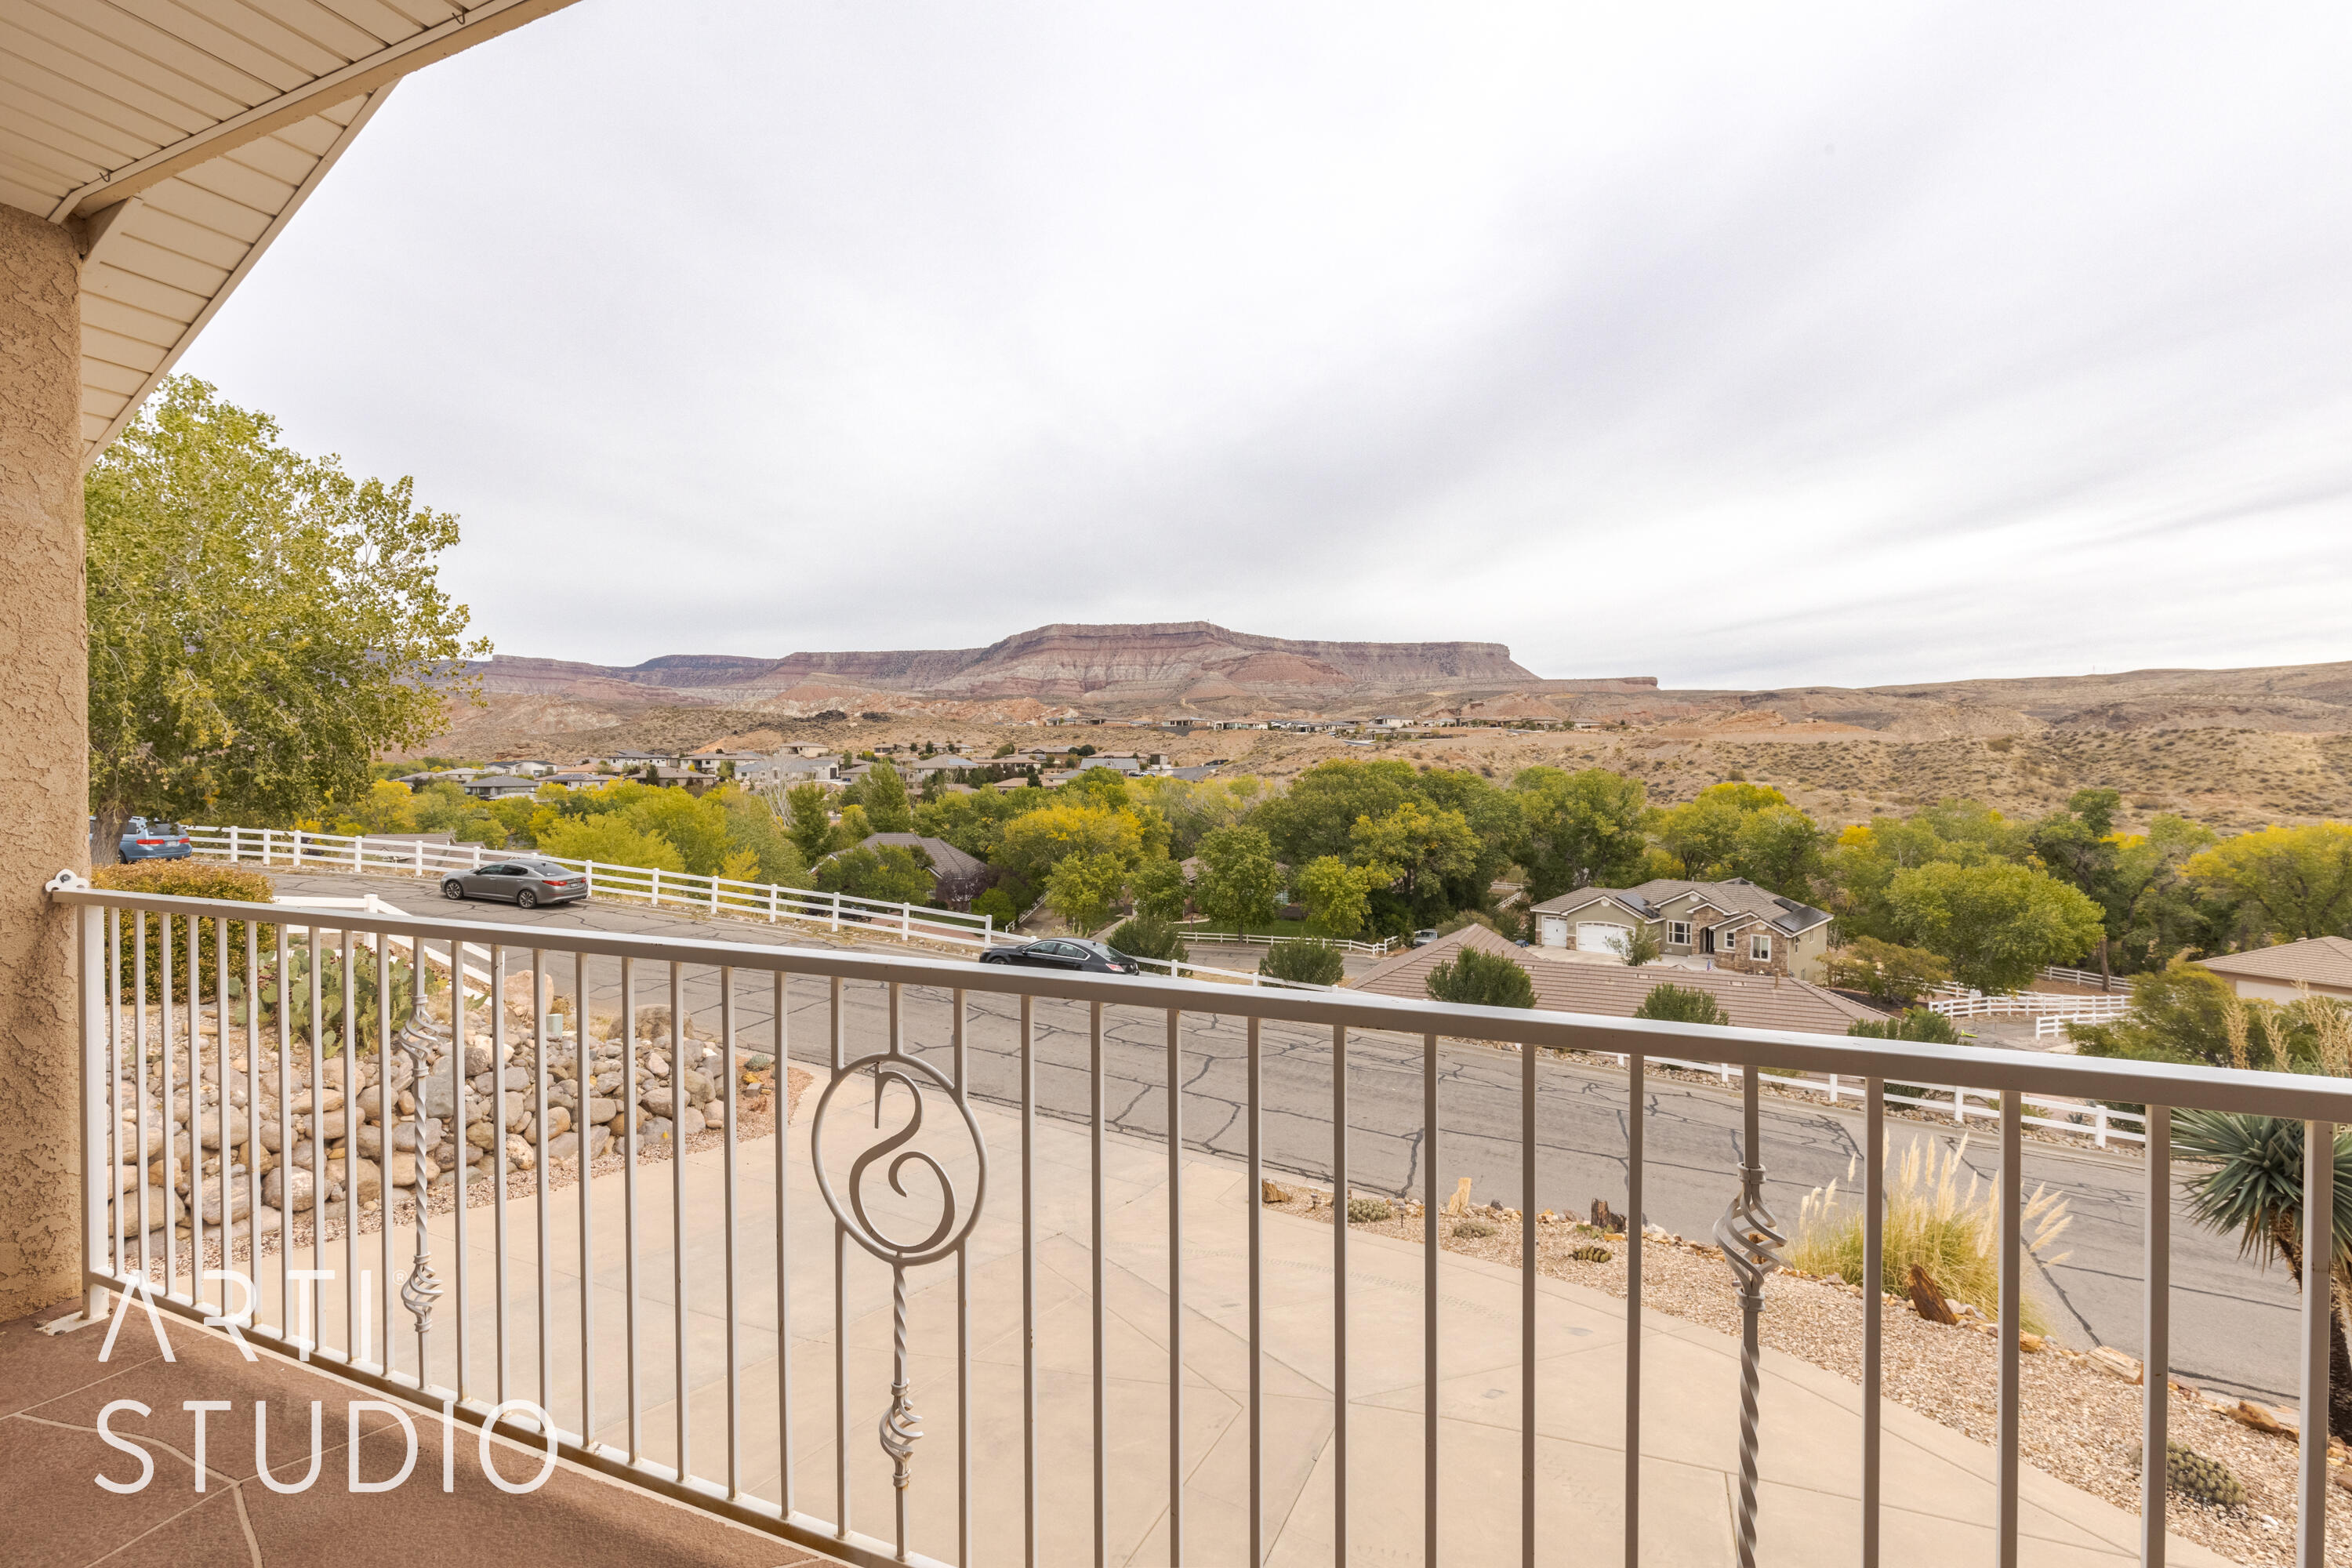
[1931, 1220]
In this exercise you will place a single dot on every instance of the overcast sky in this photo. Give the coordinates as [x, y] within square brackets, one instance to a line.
[1736, 346]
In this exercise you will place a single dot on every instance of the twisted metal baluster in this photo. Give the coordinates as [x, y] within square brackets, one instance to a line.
[1751, 1239]
[420, 1290]
[901, 1428]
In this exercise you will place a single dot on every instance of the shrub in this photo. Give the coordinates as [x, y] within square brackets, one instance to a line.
[1886, 970]
[1312, 963]
[1916, 1023]
[1475, 978]
[1931, 1222]
[1473, 1230]
[183, 880]
[997, 902]
[1672, 1003]
[1149, 936]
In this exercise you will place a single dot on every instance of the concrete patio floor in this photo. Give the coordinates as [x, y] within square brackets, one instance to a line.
[1938, 1484]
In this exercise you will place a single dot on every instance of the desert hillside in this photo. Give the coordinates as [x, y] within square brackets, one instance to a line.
[2235, 747]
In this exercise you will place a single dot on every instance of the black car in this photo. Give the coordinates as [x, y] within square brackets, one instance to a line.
[529, 881]
[1065, 953]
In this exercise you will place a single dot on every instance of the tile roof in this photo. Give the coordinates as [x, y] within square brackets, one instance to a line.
[1737, 896]
[2320, 960]
[1614, 990]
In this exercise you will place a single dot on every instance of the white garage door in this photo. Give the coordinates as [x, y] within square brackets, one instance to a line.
[1555, 932]
[1599, 936]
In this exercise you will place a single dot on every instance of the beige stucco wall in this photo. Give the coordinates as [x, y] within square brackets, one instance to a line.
[44, 755]
[2277, 990]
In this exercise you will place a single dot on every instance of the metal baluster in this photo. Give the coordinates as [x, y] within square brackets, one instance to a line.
[1429, 1304]
[586, 1059]
[171, 1227]
[1873, 1303]
[1636, 1106]
[351, 1303]
[1028, 1282]
[318, 1120]
[539, 999]
[111, 962]
[1750, 1238]
[629, 1187]
[677, 1214]
[1175, 1289]
[286, 1130]
[1527, 1304]
[2013, 1203]
[221, 1058]
[387, 1117]
[159, 1162]
[194, 1018]
[497, 1120]
[2319, 1315]
[726, 1180]
[840, 1310]
[1100, 1284]
[777, 1096]
[1338, 1292]
[457, 1108]
[963, 1314]
[421, 1289]
[2156, 1380]
[1256, 1337]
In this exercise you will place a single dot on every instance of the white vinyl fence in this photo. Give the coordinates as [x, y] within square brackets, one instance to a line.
[298, 850]
[2039, 1005]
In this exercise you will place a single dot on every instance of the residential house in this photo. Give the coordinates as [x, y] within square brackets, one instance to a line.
[1733, 925]
[2322, 965]
[500, 786]
[1613, 990]
[957, 878]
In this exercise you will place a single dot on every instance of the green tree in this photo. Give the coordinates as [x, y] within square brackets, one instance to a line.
[261, 625]
[892, 874]
[1474, 977]
[1305, 961]
[852, 830]
[1640, 946]
[1239, 879]
[885, 800]
[610, 839]
[810, 820]
[1996, 925]
[1884, 969]
[1584, 830]
[1671, 1003]
[2163, 912]
[1418, 845]
[1338, 896]
[2295, 882]
[1083, 887]
[1779, 848]
[1033, 843]
[1317, 814]
[1147, 935]
[1160, 890]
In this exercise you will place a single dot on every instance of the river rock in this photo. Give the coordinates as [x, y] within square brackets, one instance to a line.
[559, 1121]
[240, 1200]
[288, 1189]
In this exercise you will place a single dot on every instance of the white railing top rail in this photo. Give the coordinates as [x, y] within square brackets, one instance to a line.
[2290, 1095]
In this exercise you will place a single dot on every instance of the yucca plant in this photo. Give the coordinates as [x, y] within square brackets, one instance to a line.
[1951, 1230]
[2251, 1185]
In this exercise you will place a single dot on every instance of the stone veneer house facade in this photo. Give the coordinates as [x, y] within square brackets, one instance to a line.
[1736, 924]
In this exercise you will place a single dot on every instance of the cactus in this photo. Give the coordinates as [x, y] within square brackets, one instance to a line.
[2201, 1479]
[1473, 1230]
[1367, 1211]
[1592, 1255]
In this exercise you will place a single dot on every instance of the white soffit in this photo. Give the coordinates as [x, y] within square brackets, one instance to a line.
[178, 137]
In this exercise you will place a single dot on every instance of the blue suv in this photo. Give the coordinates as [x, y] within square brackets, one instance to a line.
[146, 840]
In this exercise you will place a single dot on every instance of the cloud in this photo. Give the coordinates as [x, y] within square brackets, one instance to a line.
[1876, 342]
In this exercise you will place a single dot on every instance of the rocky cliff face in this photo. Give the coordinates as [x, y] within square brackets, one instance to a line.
[1178, 664]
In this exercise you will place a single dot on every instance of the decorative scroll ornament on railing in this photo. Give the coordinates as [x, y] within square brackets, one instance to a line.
[1751, 1241]
[420, 1290]
[900, 1428]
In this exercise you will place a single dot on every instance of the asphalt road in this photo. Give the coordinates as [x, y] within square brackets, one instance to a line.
[2233, 1322]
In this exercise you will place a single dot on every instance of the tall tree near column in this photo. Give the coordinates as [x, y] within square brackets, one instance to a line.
[261, 623]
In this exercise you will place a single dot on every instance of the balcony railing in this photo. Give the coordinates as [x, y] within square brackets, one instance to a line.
[751, 1330]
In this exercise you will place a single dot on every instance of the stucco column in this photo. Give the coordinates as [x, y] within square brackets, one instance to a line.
[44, 756]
